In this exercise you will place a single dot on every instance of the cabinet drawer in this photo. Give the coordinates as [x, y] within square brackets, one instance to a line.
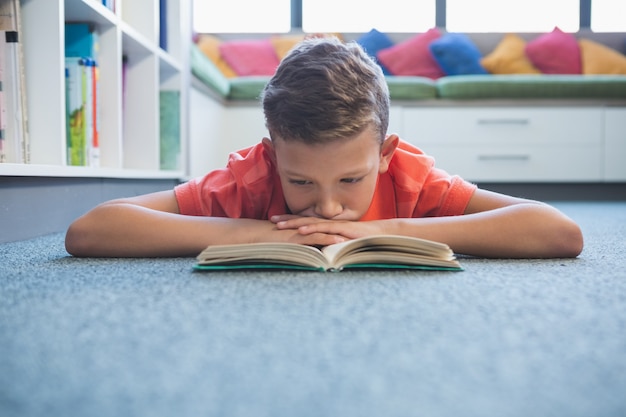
[519, 164]
[498, 126]
[615, 145]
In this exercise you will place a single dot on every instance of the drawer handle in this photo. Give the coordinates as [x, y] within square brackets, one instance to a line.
[492, 122]
[520, 157]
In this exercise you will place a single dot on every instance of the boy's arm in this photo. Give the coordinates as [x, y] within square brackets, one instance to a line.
[501, 226]
[494, 225]
[151, 225]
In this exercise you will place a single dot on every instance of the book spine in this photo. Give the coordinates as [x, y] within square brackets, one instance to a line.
[3, 112]
[87, 97]
[124, 86]
[163, 24]
[13, 126]
[16, 144]
[109, 4]
[76, 112]
[21, 72]
[94, 148]
[68, 112]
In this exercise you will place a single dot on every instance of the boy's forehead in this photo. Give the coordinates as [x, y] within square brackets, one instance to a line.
[366, 135]
[353, 155]
[326, 151]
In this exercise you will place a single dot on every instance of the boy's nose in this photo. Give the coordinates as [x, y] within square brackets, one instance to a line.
[328, 207]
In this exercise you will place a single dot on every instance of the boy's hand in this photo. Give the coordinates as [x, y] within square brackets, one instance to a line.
[311, 239]
[341, 228]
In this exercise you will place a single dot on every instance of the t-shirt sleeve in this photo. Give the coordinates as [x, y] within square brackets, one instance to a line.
[424, 190]
[444, 194]
[215, 194]
[186, 196]
[246, 188]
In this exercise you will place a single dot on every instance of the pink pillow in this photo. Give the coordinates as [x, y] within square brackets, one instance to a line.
[250, 57]
[412, 57]
[556, 52]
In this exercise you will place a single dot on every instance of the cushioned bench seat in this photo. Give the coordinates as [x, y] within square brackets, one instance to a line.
[411, 88]
[247, 88]
[472, 87]
[458, 87]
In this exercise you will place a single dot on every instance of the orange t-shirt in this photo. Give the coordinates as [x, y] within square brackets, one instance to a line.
[249, 187]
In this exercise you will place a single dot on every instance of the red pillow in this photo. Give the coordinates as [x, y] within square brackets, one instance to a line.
[556, 52]
[412, 57]
[250, 57]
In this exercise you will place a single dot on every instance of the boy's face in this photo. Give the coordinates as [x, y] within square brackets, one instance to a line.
[333, 180]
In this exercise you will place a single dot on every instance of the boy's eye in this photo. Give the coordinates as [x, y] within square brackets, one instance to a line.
[299, 182]
[350, 180]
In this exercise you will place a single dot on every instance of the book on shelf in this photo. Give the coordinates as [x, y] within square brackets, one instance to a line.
[371, 252]
[163, 24]
[75, 112]
[3, 106]
[81, 39]
[82, 95]
[124, 82]
[94, 147]
[82, 111]
[15, 143]
[109, 4]
[169, 130]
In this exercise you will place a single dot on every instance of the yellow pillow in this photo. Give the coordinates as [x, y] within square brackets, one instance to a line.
[283, 44]
[509, 57]
[210, 46]
[600, 59]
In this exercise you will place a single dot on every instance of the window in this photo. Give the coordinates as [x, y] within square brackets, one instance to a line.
[358, 16]
[242, 16]
[605, 16]
[513, 15]
[361, 16]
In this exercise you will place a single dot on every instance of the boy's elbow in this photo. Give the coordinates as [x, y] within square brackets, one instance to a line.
[77, 239]
[570, 242]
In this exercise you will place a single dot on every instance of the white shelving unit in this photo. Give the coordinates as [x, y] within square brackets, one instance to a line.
[129, 128]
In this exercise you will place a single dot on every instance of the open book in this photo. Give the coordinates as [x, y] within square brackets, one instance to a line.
[381, 251]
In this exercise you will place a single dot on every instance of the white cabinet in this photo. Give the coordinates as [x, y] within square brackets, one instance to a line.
[615, 144]
[560, 143]
[133, 70]
[512, 144]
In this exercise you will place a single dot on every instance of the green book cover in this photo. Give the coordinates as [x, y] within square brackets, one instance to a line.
[277, 266]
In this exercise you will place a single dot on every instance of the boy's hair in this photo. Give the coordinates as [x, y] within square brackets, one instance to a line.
[325, 90]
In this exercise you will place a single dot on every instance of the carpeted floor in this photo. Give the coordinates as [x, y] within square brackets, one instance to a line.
[142, 337]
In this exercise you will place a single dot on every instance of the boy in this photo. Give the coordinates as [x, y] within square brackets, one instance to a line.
[328, 172]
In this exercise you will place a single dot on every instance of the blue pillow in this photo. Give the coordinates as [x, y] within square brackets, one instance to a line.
[456, 54]
[374, 41]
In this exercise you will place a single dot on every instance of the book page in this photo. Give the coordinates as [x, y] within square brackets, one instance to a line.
[277, 253]
[390, 249]
[376, 251]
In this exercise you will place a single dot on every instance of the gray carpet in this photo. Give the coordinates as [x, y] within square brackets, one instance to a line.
[141, 337]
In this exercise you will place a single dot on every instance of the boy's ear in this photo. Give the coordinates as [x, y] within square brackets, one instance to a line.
[268, 145]
[386, 152]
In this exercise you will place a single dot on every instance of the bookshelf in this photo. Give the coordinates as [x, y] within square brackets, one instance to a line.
[134, 69]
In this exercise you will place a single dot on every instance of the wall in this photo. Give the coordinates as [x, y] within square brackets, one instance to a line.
[35, 206]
